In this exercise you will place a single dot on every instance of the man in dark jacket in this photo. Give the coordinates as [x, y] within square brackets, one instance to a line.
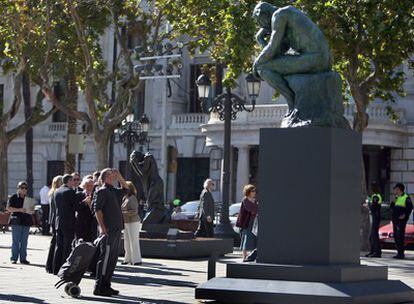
[401, 209]
[65, 198]
[107, 203]
[206, 211]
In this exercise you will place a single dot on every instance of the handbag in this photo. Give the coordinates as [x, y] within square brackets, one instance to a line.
[255, 227]
[15, 220]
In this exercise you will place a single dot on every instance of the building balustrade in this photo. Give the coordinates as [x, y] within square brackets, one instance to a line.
[188, 120]
[274, 113]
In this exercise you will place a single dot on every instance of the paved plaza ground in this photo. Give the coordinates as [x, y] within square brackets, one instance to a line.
[156, 281]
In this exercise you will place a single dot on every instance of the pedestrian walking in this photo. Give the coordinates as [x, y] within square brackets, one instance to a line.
[401, 209]
[20, 222]
[45, 204]
[107, 205]
[374, 204]
[65, 198]
[57, 182]
[206, 211]
[245, 220]
[132, 224]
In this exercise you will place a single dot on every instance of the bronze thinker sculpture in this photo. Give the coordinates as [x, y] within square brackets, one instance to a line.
[296, 61]
[146, 168]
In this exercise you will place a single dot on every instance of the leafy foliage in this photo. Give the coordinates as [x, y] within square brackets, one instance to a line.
[369, 39]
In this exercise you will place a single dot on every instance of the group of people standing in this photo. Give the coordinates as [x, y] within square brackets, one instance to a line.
[401, 208]
[82, 209]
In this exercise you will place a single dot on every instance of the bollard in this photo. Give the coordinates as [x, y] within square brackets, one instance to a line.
[211, 268]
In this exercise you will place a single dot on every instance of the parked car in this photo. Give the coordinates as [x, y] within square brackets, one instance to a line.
[190, 209]
[386, 233]
[233, 213]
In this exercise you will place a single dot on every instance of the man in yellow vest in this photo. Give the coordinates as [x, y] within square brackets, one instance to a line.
[401, 210]
[374, 204]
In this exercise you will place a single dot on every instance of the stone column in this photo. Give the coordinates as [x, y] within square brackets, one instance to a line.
[243, 170]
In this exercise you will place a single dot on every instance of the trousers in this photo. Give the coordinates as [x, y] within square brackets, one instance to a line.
[107, 259]
[64, 239]
[45, 219]
[375, 246]
[20, 234]
[399, 234]
[131, 243]
[205, 229]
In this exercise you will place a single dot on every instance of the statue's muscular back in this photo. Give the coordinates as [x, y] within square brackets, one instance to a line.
[301, 34]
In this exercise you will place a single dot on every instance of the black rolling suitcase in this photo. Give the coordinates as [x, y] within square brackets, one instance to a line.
[78, 262]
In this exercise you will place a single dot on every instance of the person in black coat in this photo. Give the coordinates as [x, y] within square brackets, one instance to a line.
[65, 199]
[86, 225]
[206, 211]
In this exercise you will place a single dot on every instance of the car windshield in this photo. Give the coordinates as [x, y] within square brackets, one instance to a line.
[234, 209]
[190, 206]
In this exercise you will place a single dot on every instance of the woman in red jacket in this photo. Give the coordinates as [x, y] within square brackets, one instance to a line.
[245, 219]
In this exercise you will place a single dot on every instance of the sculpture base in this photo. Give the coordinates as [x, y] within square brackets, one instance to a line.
[307, 273]
[305, 284]
[184, 249]
[318, 101]
[230, 290]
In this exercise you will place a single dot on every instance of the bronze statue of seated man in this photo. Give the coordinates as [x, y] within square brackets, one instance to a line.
[292, 44]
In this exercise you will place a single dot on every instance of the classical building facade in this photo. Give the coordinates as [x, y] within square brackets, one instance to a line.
[194, 139]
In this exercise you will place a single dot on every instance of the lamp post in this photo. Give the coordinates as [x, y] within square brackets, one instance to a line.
[227, 105]
[131, 132]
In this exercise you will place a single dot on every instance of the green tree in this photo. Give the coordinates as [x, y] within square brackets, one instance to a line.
[51, 40]
[16, 66]
[370, 41]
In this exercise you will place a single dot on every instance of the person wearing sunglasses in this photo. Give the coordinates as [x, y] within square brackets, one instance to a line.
[76, 178]
[20, 222]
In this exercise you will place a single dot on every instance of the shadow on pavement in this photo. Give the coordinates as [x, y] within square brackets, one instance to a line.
[127, 300]
[180, 269]
[21, 299]
[155, 282]
[154, 271]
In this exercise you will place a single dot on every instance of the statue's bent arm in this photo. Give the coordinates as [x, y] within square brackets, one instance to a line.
[261, 36]
[273, 48]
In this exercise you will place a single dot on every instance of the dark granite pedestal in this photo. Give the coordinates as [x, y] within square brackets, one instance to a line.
[308, 243]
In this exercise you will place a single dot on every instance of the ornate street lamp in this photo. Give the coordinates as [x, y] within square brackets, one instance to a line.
[131, 132]
[253, 86]
[227, 105]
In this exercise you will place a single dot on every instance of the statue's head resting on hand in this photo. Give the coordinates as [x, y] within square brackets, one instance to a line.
[263, 13]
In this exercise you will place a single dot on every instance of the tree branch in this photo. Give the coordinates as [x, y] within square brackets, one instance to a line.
[51, 96]
[89, 79]
[17, 88]
[371, 77]
[36, 117]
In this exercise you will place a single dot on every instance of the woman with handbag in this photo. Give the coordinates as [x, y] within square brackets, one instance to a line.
[246, 219]
[20, 222]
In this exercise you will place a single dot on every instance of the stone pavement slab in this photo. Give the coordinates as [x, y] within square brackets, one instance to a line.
[157, 281]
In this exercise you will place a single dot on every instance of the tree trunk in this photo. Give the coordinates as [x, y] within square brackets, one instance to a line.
[29, 133]
[360, 123]
[3, 165]
[71, 100]
[102, 151]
